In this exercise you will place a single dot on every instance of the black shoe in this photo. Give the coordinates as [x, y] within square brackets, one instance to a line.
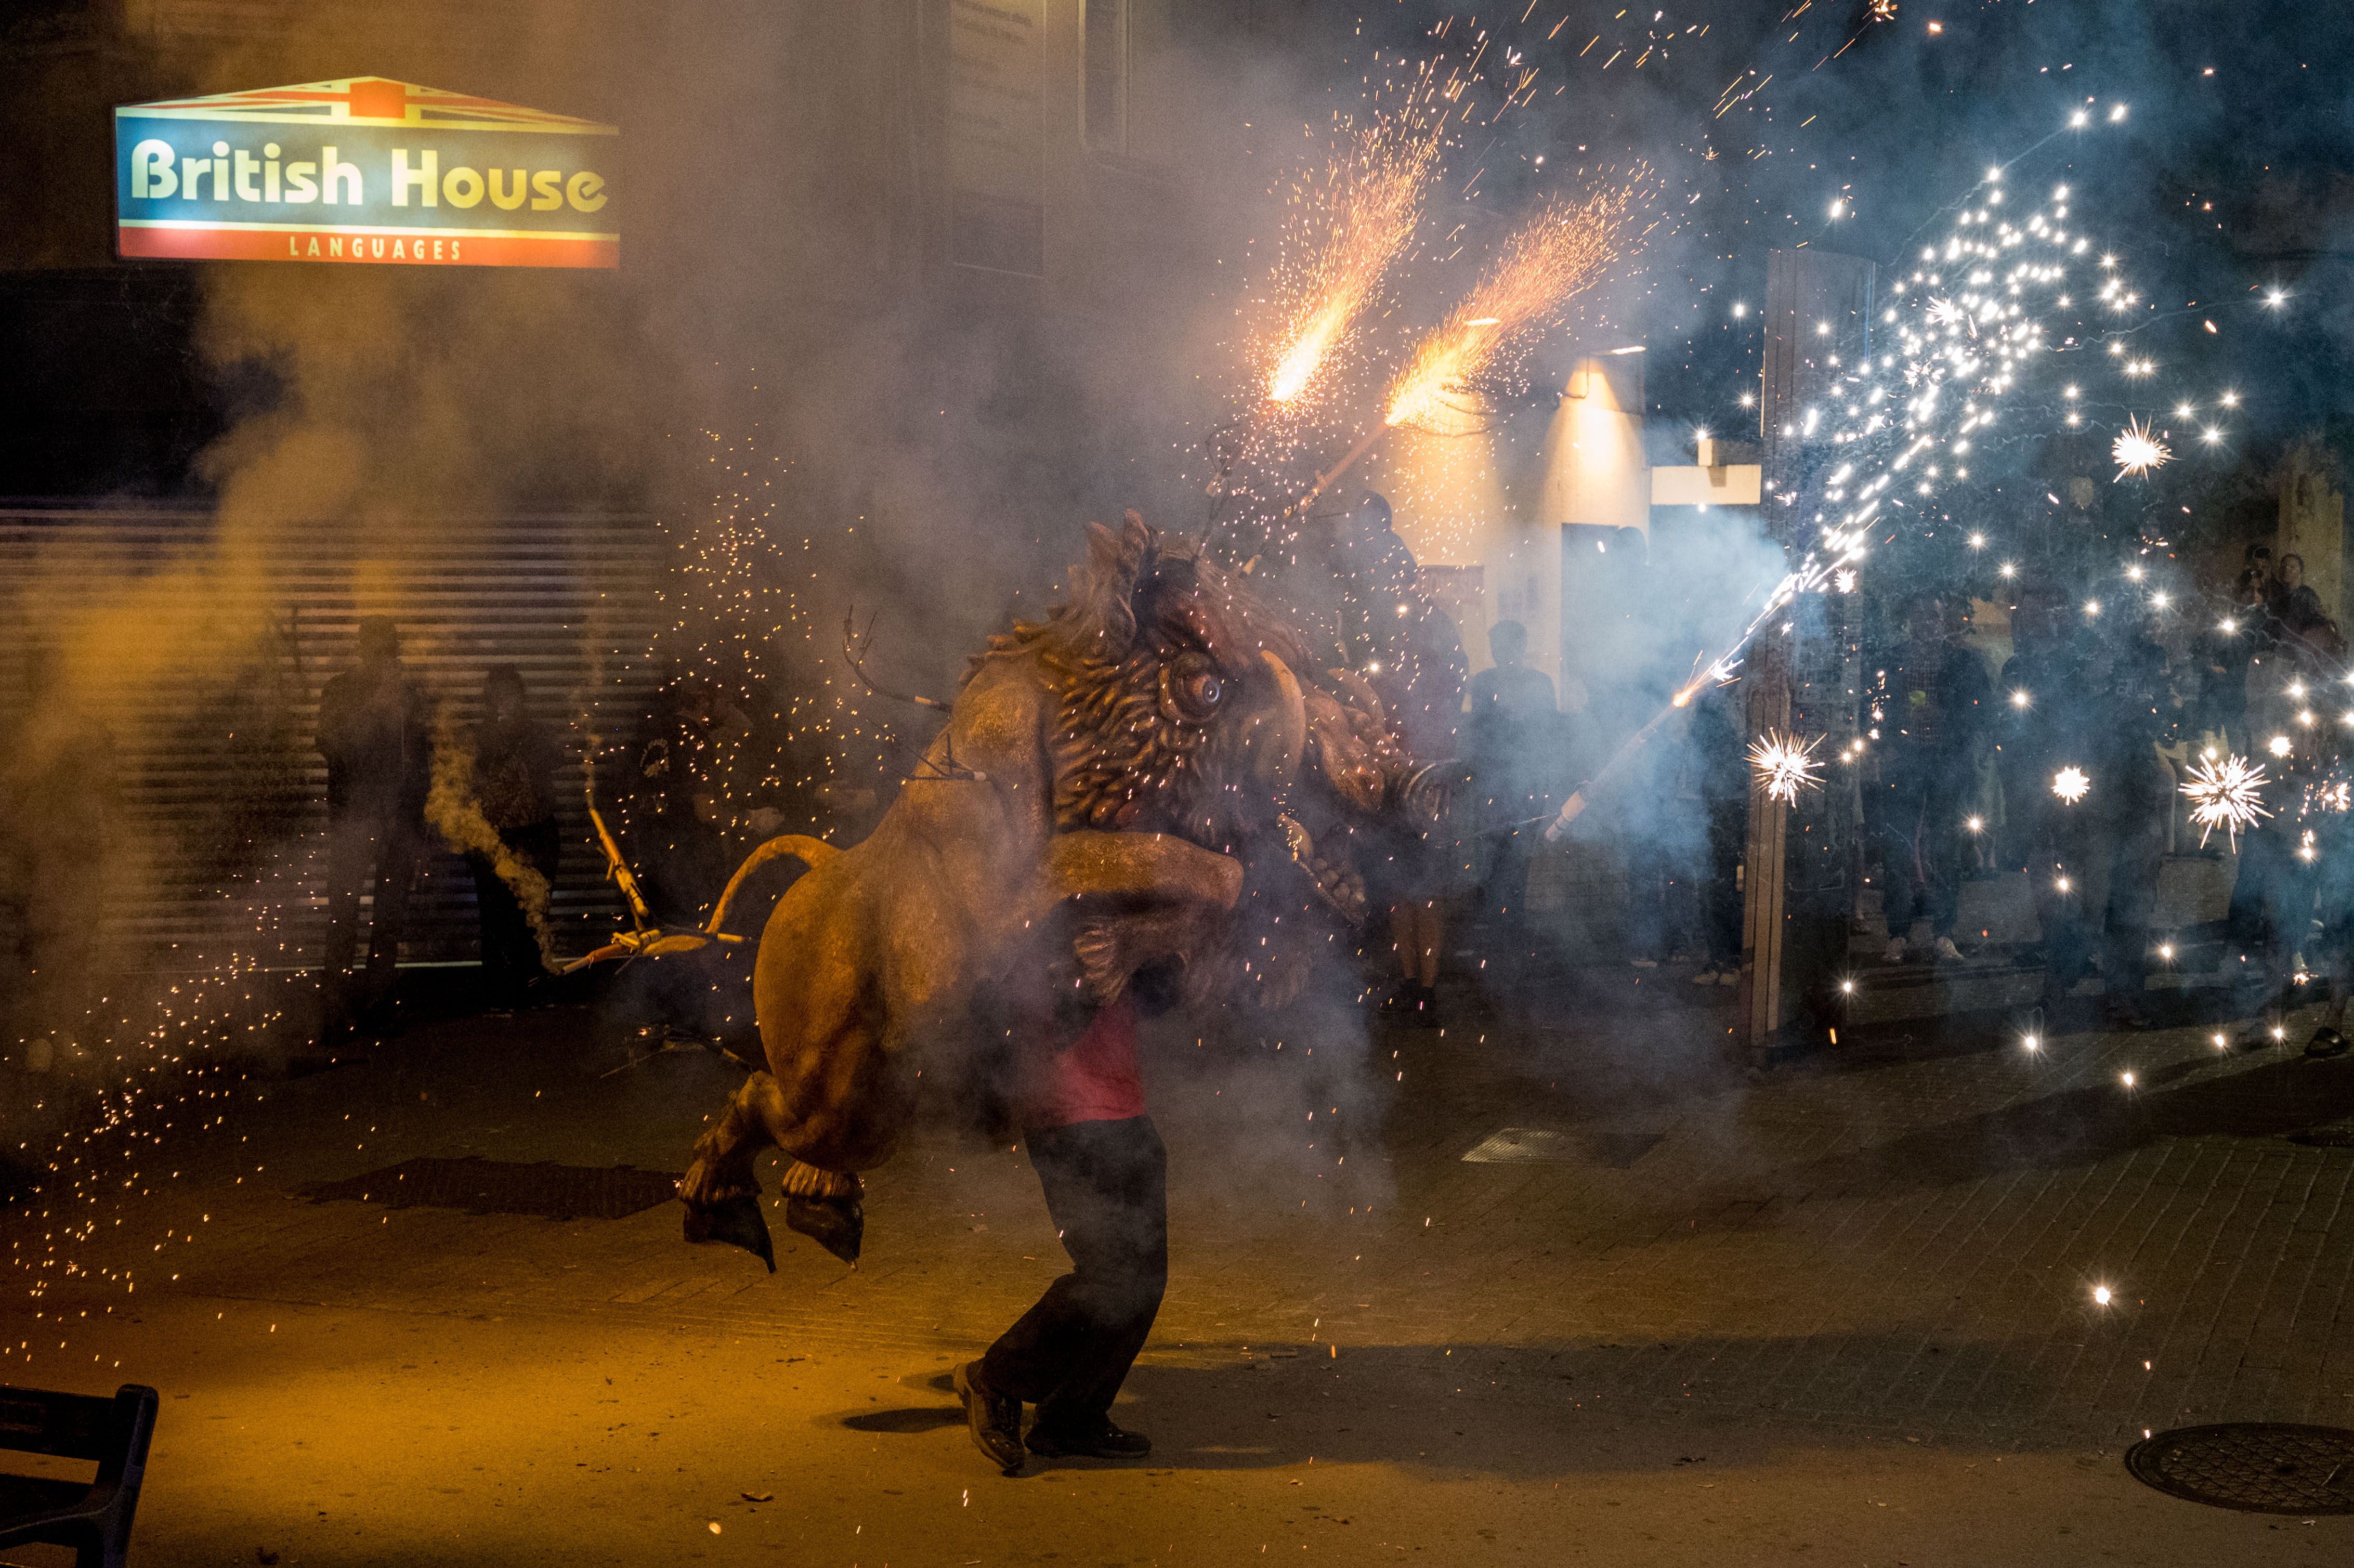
[995, 1419]
[1094, 1438]
[2328, 1042]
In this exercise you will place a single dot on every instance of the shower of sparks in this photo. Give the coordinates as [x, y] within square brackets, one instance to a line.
[1547, 262]
[2226, 792]
[2137, 451]
[2069, 784]
[1782, 765]
[1355, 223]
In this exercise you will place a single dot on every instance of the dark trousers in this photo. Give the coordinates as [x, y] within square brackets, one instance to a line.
[2110, 856]
[1108, 1190]
[510, 952]
[379, 853]
[1921, 851]
[1506, 893]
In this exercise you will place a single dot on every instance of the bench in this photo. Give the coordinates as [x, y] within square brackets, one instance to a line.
[92, 1518]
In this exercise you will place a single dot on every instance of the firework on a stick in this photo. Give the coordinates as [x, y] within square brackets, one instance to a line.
[1782, 765]
[2226, 792]
[2071, 783]
[1353, 226]
[1548, 261]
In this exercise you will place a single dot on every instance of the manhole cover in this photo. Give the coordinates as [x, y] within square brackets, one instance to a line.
[498, 1187]
[1533, 1145]
[2258, 1467]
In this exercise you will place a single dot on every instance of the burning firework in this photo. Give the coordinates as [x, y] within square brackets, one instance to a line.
[2069, 784]
[1550, 260]
[2137, 451]
[1782, 765]
[1358, 221]
[2226, 793]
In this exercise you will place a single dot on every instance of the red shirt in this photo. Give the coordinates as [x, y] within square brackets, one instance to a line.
[1091, 1079]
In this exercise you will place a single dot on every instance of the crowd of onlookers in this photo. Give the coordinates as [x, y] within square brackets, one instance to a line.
[2051, 737]
[2055, 743]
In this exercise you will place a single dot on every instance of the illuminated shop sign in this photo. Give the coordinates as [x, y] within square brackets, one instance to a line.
[363, 169]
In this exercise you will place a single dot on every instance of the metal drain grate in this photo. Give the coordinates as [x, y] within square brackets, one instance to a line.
[1535, 1145]
[498, 1187]
[2256, 1467]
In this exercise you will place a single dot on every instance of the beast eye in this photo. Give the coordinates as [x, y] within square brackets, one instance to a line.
[1196, 686]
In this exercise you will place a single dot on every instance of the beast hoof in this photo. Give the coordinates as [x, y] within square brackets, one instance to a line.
[736, 1221]
[837, 1225]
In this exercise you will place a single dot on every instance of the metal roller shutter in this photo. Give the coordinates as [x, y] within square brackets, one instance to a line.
[208, 693]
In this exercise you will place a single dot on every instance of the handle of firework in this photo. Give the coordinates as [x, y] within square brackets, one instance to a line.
[617, 870]
[1620, 759]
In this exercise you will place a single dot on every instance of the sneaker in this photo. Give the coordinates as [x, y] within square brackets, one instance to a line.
[995, 1419]
[1731, 976]
[1895, 952]
[1705, 977]
[1945, 950]
[1096, 1438]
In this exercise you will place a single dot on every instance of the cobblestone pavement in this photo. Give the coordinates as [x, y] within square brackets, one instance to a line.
[1871, 1270]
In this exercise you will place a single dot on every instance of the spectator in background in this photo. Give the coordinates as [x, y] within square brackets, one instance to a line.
[2041, 715]
[1394, 634]
[2132, 799]
[1718, 766]
[1934, 701]
[2291, 599]
[375, 732]
[515, 764]
[2298, 614]
[2221, 655]
[57, 777]
[1511, 723]
[2258, 558]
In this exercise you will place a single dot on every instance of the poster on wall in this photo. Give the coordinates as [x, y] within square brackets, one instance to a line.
[363, 169]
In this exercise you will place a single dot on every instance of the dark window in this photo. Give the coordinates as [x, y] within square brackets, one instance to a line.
[1105, 47]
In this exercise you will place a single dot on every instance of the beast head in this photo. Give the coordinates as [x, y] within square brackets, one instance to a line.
[1185, 704]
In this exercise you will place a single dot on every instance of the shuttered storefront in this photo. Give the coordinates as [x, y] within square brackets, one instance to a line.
[196, 693]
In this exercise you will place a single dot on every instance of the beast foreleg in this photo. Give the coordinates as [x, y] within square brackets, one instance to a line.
[721, 1190]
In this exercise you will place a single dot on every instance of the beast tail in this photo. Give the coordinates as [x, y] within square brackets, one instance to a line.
[811, 852]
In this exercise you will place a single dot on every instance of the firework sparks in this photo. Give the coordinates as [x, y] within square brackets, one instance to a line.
[1363, 218]
[2226, 792]
[2137, 451]
[2071, 783]
[1550, 260]
[1782, 765]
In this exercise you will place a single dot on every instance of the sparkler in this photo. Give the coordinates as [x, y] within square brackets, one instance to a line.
[1782, 765]
[2137, 451]
[2226, 792]
[2071, 783]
